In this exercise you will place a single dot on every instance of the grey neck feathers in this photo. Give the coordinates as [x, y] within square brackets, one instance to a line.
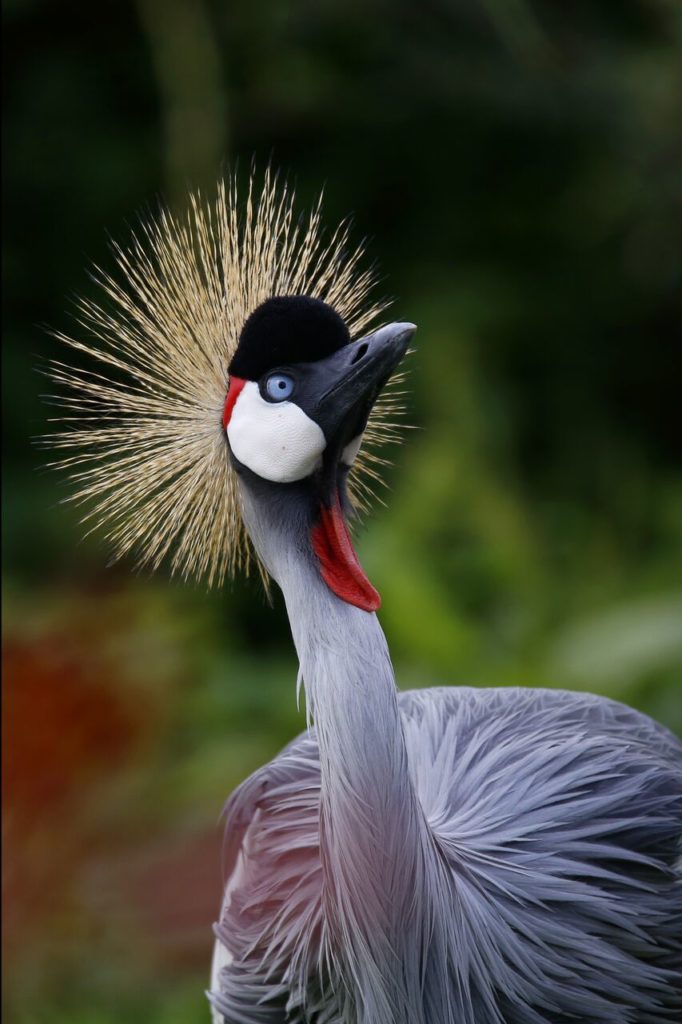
[374, 841]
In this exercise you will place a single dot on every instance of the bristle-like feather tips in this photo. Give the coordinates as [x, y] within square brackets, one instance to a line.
[142, 436]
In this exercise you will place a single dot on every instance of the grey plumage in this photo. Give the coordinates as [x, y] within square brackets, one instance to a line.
[557, 817]
[447, 856]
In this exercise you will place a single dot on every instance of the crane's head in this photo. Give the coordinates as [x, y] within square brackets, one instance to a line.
[235, 360]
[299, 398]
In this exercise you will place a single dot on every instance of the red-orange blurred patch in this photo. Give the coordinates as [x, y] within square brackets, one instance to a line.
[63, 729]
[60, 731]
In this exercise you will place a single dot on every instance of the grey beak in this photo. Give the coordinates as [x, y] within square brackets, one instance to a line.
[350, 380]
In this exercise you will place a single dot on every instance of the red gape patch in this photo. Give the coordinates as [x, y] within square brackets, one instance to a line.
[339, 564]
[233, 391]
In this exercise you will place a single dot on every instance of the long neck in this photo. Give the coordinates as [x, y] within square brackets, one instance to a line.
[373, 838]
[370, 824]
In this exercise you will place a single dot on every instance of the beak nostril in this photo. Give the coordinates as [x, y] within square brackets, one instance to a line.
[358, 355]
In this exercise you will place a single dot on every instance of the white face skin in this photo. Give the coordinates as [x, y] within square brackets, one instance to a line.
[350, 452]
[274, 439]
[277, 440]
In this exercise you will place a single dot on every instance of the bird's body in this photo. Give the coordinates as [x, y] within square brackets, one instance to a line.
[438, 857]
[540, 882]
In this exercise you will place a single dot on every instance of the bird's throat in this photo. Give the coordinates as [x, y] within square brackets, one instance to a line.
[338, 563]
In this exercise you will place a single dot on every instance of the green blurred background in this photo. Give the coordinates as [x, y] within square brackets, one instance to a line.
[516, 166]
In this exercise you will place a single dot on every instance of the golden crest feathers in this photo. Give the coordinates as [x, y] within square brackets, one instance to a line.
[142, 437]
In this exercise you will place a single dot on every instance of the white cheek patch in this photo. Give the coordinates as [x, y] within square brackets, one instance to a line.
[350, 452]
[276, 440]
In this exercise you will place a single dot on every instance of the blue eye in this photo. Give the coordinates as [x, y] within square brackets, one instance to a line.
[279, 387]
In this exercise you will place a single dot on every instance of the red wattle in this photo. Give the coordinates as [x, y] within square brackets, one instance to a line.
[233, 391]
[339, 564]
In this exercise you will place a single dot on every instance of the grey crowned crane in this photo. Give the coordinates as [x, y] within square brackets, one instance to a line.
[441, 856]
